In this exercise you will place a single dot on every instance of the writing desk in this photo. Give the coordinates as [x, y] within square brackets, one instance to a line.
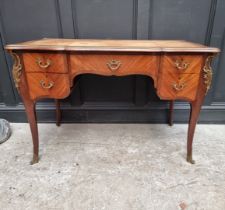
[46, 68]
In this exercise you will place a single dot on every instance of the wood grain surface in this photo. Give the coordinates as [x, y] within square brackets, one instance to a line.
[96, 63]
[59, 90]
[179, 81]
[189, 83]
[193, 63]
[58, 62]
[112, 45]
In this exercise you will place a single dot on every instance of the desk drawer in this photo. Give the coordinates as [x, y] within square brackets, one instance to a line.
[45, 62]
[48, 85]
[184, 86]
[114, 64]
[182, 64]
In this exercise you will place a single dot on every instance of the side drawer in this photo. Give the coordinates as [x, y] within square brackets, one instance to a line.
[42, 85]
[182, 64]
[45, 62]
[182, 86]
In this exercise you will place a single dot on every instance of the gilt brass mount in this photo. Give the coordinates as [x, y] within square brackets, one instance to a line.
[181, 65]
[178, 87]
[46, 86]
[17, 69]
[42, 64]
[114, 65]
[207, 70]
[190, 159]
[35, 159]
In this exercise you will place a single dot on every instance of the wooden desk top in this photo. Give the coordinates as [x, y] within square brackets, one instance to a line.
[112, 45]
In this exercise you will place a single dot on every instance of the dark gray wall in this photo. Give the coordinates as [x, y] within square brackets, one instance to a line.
[113, 99]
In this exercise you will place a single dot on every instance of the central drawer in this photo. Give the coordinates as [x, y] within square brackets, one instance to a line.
[114, 64]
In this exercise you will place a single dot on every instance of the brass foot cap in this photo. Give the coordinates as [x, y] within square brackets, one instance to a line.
[190, 160]
[35, 159]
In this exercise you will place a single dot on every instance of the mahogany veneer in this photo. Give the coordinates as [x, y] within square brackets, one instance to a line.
[46, 69]
[57, 62]
[193, 61]
[98, 63]
[60, 88]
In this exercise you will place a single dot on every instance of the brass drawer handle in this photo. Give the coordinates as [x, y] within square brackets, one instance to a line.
[46, 86]
[43, 65]
[178, 87]
[114, 65]
[181, 65]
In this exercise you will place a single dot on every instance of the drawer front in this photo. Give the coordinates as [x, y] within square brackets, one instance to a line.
[172, 86]
[114, 64]
[182, 64]
[43, 85]
[45, 62]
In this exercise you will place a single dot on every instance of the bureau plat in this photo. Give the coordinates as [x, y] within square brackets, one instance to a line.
[46, 68]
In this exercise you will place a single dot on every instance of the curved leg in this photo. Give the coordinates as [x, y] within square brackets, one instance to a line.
[171, 113]
[31, 116]
[194, 114]
[204, 86]
[21, 85]
[58, 112]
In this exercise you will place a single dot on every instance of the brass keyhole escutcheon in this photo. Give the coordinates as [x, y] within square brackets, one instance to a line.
[113, 65]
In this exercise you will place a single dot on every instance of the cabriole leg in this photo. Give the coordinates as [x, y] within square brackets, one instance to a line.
[171, 108]
[31, 116]
[194, 114]
[58, 112]
[21, 84]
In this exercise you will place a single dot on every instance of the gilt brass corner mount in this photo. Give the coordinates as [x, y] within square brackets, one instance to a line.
[17, 69]
[207, 73]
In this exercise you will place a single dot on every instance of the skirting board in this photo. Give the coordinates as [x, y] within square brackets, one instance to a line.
[93, 113]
